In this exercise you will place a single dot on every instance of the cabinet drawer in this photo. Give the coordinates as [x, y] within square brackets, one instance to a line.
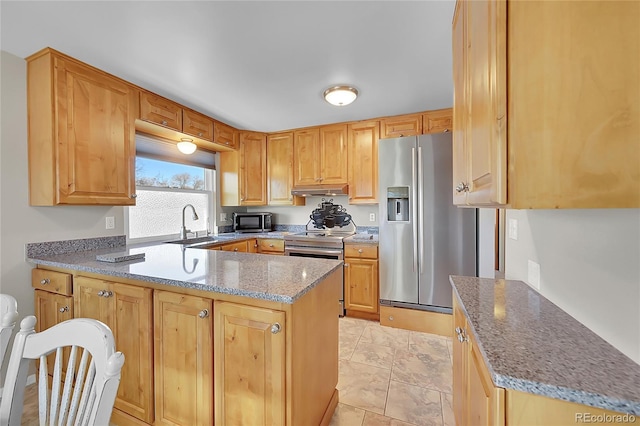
[269, 244]
[196, 124]
[54, 282]
[240, 246]
[156, 109]
[363, 251]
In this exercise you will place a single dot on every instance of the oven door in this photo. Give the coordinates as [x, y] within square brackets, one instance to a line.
[316, 252]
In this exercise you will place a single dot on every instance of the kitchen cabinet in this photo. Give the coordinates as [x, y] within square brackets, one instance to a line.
[400, 126]
[437, 121]
[81, 133]
[363, 164]
[570, 129]
[243, 173]
[361, 281]
[240, 246]
[161, 111]
[183, 334]
[225, 135]
[475, 399]
[250, 365]
[53, 303]
[271, 246]
[196, 124]
[320, 156]
[280, 170]
[124, 308]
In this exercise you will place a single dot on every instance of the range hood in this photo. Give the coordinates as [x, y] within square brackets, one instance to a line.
[319, 190]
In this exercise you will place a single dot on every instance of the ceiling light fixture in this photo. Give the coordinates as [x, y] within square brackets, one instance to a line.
[186, 146]
[340, 95]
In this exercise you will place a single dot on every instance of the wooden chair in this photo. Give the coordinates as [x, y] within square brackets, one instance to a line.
[86, 395]
[8, 318]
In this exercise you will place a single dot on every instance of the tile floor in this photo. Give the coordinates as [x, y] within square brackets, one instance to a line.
[387, 377]
[394, 377]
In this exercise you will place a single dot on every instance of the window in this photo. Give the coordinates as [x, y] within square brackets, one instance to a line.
[164, 188]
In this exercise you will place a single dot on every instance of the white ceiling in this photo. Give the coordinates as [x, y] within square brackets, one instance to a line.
[255, 65]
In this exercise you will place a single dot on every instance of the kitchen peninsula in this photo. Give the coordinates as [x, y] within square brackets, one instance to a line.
[209, 336]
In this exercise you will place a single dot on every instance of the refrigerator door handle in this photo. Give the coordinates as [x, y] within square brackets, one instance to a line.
[420, 212]
[414, 223]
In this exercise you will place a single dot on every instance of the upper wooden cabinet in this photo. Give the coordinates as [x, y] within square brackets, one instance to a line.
[225, 135]
[243, 173]
[567, 113]
[196, 124]
[320, 155]
[438, 121]
[363, 164]
[81, 133]
[403, 125]
[280, 170]
[159, 110]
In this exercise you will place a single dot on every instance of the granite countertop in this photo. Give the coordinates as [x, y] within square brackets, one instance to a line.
[260, 276]
[362, 238]
[532, 345]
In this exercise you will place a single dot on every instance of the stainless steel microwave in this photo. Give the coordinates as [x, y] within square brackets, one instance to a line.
[252, 222]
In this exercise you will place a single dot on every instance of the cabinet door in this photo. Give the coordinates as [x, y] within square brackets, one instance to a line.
[52, 309]
[93, 298]
[486, 125]
[333, 154]
[459, 365]
[486, 402]
[250, 365]
[196, 124]
[361, 285]
[306, 152]
[253, 169]
[96, 133]
[363, 164]
[397, 127]
[241, 246]
[460, 107]
[183, 362]
[280, 169]
[159, 110]
[225, 135]
[133, 311]
[439, 121]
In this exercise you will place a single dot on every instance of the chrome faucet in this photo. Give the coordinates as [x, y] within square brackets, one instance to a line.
[184, 231]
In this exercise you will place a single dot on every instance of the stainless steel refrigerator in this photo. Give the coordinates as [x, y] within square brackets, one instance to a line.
[424, 238]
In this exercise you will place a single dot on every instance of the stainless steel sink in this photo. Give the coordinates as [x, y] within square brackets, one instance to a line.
[208, 239]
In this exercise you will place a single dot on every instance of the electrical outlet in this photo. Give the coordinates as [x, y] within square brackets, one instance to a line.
[110, 222]
[223, 217]
[372, 217]
[513, 229]
[533, 274]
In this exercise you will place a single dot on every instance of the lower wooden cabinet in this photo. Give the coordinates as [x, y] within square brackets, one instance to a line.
[241, 246]
[183, 330]
[271, 246]
[361, 282]
[52, 309]
[250, 365]
[127, 310]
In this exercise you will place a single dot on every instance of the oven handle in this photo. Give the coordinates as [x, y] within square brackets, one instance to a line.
[309, 250]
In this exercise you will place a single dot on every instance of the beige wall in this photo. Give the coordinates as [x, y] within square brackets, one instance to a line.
[589, 266]
[20, 223]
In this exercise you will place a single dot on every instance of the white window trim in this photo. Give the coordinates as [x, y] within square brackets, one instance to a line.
[209, 178]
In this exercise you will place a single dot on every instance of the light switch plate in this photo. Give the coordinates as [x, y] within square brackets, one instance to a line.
[513, 229]
[223, 217]
[110, 222]
[533, 274]
[372, 217]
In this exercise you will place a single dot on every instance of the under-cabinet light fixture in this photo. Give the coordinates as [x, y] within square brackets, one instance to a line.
[186, 146]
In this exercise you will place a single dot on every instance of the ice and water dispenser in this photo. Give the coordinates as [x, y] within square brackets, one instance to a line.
[398, 204]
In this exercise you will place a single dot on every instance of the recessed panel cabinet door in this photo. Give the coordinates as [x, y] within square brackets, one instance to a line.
[306, 152]
[280, 169]
[253, 169]
[52, 309]
[183, 359]
[250, 365]
[95, 134]
[363, 166]
[333, 154]
[361, 285]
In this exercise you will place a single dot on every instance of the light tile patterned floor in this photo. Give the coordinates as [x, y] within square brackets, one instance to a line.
[392, 377]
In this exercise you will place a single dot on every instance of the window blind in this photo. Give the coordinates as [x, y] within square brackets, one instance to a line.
[159, 148]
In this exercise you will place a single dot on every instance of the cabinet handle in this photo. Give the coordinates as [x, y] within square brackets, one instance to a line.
[321, 179]
[462, 187]
[242, 199]
[346, 264]
[446, 130]
[204, 313]
[226, 143]
[390, 317]
[270, 245]
[255, 246]
[164, 122]
[275, 328]
[45, 281]
[318, 179]
[235, 249]
[101, 293]
[200, 134]
[359, 250]
[107, 293]
[133, 195]
[63, 309]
